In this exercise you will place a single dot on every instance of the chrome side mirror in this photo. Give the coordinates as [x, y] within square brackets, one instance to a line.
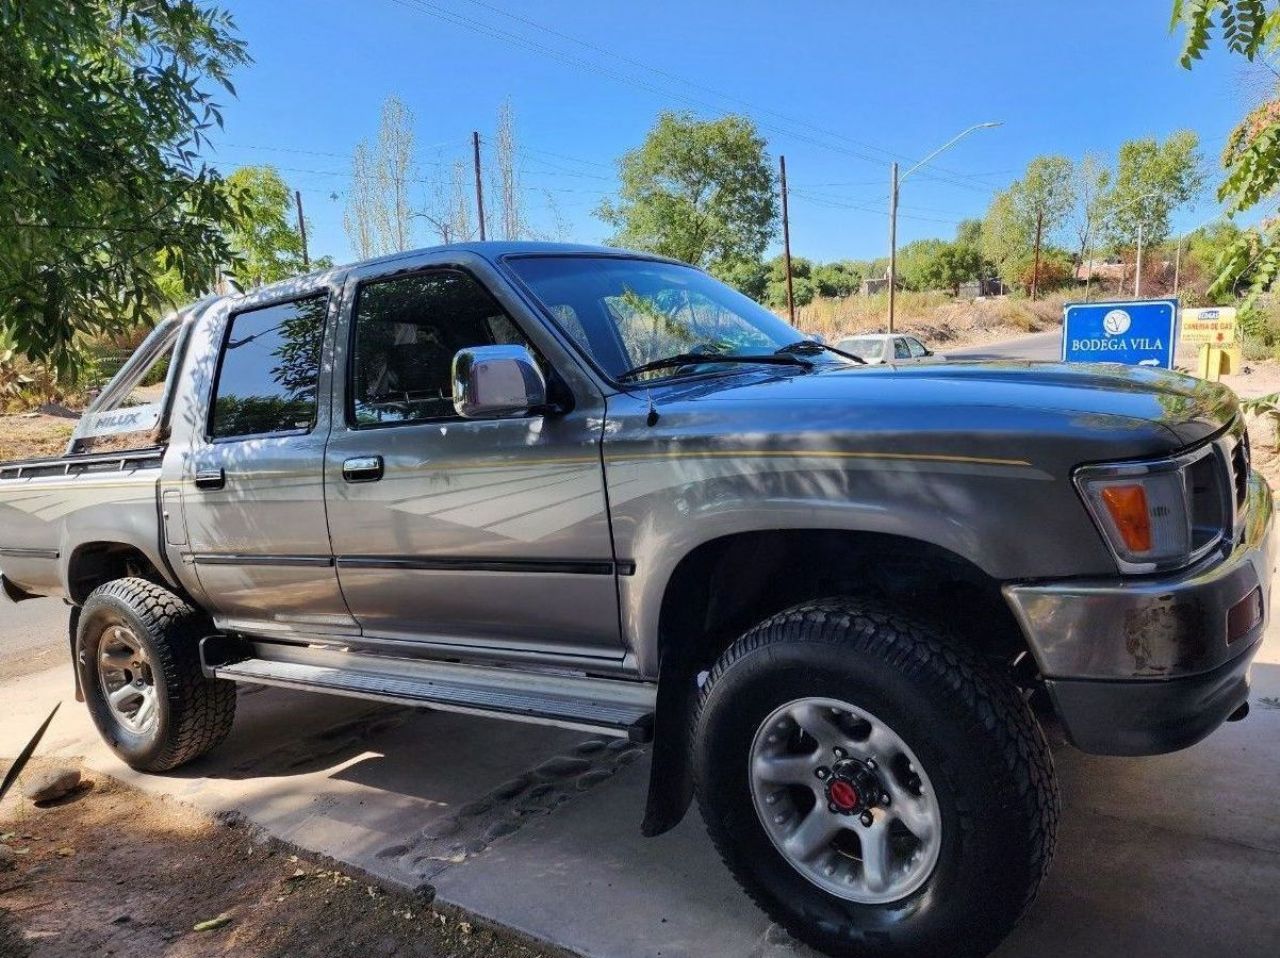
[497, 382]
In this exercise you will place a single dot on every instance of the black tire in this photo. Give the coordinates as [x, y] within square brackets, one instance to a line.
[193, 713]
[989, 764]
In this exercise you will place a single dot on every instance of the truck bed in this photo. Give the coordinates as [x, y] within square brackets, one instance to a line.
[46, 503]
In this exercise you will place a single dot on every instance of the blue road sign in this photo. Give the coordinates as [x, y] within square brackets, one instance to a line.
[1136, 333]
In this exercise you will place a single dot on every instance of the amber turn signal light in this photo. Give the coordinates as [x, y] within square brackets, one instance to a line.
[1127, 505]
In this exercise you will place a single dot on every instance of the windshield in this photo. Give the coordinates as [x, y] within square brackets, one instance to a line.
[625, 313]
[865, 346]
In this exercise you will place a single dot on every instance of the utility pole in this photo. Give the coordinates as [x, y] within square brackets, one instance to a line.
[893, 241]
[475, 146]
[786, 241]
[1035, 268]
[1088, 269]
[1137, 269]
[302, 229]
[1177, 265]
[893, 208]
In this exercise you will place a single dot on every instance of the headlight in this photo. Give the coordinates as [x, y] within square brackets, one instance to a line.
[1159, 515]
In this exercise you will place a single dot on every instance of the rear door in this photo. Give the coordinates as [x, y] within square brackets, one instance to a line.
[485, 536]
[252, 469]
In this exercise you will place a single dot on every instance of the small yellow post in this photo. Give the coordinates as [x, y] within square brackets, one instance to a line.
[1215, 361]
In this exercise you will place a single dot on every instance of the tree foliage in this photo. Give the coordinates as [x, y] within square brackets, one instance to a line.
[698, 191]
[103, 108]
[1043, 198]
[1092, 189]
[266, 242]
[379, 218]
[1151, 180]
[1251, 158]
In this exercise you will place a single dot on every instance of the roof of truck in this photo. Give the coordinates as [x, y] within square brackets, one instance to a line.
[494, 249]
[490, 249]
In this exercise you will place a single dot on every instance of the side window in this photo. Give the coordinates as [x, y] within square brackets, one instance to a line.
[407, 331]
[900, 350]
[916, 348]
[269, 367]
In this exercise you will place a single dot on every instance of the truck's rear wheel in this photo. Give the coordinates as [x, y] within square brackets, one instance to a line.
[137, 652]
[876, 789]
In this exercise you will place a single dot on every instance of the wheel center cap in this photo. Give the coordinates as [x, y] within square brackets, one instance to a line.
[843, 794]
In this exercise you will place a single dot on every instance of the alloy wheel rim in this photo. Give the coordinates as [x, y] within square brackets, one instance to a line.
[845, 801]
[126, 679]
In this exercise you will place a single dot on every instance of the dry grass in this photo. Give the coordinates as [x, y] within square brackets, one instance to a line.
[28, 436]
[937, 318]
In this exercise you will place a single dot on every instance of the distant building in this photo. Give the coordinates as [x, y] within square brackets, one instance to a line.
[980, 287]
[1098, 269]
[874, 285]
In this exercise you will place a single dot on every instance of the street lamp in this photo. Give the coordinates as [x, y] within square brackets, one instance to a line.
[893, 207]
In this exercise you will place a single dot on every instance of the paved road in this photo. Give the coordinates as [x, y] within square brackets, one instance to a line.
[33, 637]
[1041, 346]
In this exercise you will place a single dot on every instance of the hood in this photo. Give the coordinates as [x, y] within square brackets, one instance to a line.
[1136, 398]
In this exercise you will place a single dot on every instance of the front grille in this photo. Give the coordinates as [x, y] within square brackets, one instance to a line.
[1240, 467]
[1207, 500]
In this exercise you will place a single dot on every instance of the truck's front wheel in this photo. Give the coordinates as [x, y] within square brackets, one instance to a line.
[137, 652]
[875, 788]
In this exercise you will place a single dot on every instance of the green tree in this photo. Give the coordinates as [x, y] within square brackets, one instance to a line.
[103, 107]
[749, 277]
[839, 279]
[1251, 158]
[267, 245]
[698, 191]
[1152, 180]
[379, 218]
[802, 285]
[1038, 203]
[936, 264]
[1093, 181]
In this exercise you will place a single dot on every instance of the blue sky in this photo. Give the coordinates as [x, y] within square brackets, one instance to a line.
[840, 88]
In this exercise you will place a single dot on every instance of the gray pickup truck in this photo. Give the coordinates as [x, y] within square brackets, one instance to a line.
[601, 490]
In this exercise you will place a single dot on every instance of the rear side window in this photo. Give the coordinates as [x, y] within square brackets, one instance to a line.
[268, 372]
[407, 331]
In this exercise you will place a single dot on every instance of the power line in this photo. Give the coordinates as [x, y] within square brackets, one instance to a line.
[613, 55]
[430, 9]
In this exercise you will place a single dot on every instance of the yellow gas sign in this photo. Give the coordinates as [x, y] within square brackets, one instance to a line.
[1213, 326]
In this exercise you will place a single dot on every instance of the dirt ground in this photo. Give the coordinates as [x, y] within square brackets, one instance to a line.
[27, 435]
[112, 871]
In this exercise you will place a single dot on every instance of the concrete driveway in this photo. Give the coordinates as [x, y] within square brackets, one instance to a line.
[538, 828]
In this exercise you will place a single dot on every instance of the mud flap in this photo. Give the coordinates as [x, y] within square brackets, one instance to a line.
[72, 629]
[671, 772]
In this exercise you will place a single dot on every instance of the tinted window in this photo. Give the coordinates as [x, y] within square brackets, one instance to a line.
[627, 312]
[917, 350]
[900, 349]
[407, 331]
[270, 362]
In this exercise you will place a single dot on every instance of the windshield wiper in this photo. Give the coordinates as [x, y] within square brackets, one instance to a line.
[702, 359]
[813, 346]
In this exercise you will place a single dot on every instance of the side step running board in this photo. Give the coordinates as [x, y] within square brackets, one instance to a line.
[570, 700]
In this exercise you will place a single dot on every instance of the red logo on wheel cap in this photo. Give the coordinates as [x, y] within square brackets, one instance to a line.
[844, 795]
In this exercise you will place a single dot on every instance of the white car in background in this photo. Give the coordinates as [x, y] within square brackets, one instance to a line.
[895, 348]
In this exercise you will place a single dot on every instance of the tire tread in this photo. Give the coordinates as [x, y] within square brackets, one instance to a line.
[201, 709]
[898, 642]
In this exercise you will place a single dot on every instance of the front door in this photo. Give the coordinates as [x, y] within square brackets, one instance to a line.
[490, 536]
[252, 482]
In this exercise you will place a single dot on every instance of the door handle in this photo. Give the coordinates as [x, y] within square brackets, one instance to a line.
[211, 478]
[362, 469]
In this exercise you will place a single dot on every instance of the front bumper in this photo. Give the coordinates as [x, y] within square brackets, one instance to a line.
[1147, 665]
